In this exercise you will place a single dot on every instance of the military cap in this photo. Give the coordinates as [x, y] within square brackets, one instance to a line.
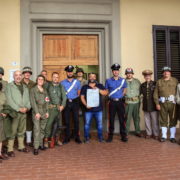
[79, 70]
[69, 68]
[166, 68]
[115, 66]
[129, 71]
[147, 72]
[27, 69]
[1, 71]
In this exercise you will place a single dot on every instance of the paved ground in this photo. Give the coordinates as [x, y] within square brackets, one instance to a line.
[139, 159]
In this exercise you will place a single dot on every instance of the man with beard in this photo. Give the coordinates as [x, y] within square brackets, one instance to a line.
[72, 87]
[17, 96]
[94, 110]
[27, 72]
[57, 96]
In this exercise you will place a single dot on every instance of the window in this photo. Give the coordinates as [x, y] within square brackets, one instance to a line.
[166, 40]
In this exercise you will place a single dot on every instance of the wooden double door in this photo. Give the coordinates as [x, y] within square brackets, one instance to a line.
[62, 50]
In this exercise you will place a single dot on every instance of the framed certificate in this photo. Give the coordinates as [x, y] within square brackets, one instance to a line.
[92, 97]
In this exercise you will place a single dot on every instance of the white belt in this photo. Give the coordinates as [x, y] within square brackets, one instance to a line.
[171, 98]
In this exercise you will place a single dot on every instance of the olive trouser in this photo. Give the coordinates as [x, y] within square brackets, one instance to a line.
[53, 116]
[132, 111]
[7, 126]
[168, 109]
[18, 128]
[38, 131]
[2, 134]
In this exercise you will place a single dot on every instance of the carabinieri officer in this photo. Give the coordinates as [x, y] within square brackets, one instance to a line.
[72, 87]
[117, 89]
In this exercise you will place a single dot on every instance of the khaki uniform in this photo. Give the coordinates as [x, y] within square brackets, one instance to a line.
[132, 104]
[2, 103]
[39, 102]
[29, 122]
[165, 89]
[17, 97]
[4, 83]
[57, 97]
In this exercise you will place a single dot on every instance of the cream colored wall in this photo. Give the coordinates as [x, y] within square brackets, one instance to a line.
[9, 35]
[136, 20]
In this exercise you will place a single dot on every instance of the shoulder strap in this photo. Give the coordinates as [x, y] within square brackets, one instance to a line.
[71, 87]
[118, 88]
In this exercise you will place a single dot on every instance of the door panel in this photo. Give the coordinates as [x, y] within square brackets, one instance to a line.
[62, 50]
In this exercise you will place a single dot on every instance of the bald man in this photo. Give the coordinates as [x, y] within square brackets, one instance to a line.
[17, 96]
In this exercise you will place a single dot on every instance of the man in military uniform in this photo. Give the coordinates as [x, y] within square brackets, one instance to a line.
[57, 96]
[4, 83]
[149, 106]
[79, 75]
[17, 96]
[132, 100]
[44, 73]
[27, 72]
[116, 87]
[72, 87]
[164, 97]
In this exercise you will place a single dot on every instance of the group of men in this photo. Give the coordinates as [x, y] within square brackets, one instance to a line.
[22, 106]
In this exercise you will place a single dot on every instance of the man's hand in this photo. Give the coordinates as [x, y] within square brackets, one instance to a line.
[158, 107]
[4, 115]
[37, 116]
[88, 107]
[61, 108]
[23, 110]
[47, 115]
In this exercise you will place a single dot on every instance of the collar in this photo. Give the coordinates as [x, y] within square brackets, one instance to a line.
[114, 79]
[70, 81]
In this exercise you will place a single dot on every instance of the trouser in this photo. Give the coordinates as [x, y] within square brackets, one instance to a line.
[168, 109]
[39, 131]
[88, 118]
[18, 129]
[117, 107]
[7, 127]
[56, 126]
[2, 134]
[132, 111]
[151, 123]
[74, 108]
[53, 114]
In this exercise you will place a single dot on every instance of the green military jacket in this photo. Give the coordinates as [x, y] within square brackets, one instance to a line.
[133, 91]
[165, 88]
[2, 100]
[39, 100]
[178, 94]
[57, 94]
[14, 97]
[30, 84]
[4, 83]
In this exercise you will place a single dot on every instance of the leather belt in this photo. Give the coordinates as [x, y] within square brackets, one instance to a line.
[72, 100]
[52, 106]
[132, 99]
